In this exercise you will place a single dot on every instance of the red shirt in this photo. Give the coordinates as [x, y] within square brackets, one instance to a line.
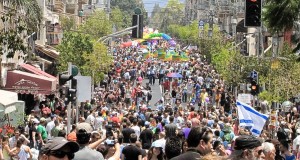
[166, 85]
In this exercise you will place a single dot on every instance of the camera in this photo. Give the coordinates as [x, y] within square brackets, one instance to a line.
[109, 128]
[110, 142]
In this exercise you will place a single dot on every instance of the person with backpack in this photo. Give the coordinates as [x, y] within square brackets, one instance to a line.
[227, 133]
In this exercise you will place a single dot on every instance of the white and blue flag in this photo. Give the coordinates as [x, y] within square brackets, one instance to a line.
[249, 117]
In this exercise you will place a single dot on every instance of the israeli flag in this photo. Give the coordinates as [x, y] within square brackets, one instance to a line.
[249, 117]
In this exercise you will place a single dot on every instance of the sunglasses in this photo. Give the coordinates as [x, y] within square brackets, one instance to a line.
[61, 154]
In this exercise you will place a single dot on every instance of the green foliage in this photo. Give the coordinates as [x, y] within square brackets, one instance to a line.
[90, 56]
[67, 23]
[97, 62]
[72, 48]
[127, 7]
[280, 15]
[116, 17]
[97, 25]
[16, 23]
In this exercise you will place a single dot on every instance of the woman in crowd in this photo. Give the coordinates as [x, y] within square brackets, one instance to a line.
[21, 151]
[155, 153]
[5, 147]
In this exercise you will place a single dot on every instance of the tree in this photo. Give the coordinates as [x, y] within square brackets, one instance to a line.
[67, 23]
[97, 25]
[173, 13]
[127, 7]
[73, 47]
[20, 19]
[97, 62]
[281, 15]
[90, 56]
[116, 17]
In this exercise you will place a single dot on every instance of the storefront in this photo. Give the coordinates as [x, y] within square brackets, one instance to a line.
[27, 83]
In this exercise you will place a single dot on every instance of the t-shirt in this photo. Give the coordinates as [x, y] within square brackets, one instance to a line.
[126, 134]
[137, 130]
[41, 129]
[146, 137]
[296, 142]
[86, 153]
[131, 152]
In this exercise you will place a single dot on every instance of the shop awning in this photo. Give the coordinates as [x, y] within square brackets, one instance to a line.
[48, 51]
[27, 83]
[35, 70]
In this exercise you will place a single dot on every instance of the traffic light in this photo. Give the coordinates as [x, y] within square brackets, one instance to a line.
[253, 13]
[137, 20]
[254, 88]
[71, 91]
[63, 78]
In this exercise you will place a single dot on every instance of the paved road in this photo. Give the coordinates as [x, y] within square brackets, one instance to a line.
[156, 92]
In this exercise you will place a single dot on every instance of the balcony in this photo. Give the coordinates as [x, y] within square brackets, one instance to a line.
[58, 6]
[53, 34]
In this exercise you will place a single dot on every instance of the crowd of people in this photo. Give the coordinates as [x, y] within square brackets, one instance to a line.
[195, 118]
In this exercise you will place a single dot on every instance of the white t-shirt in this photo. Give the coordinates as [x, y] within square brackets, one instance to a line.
[90, 119]
[98, 122]
[137, 130]
[296, 142]
[49, 127]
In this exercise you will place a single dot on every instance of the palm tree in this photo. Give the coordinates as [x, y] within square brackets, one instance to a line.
[283, 15]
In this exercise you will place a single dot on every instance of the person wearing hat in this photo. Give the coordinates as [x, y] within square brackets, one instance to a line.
[41, 132]
[156, 152]
[247, 147]
[296, 144]
[58, 148]
[83, 135]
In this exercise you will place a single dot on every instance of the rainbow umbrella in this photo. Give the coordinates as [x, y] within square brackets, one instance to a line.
[174, 75]
[168, 57]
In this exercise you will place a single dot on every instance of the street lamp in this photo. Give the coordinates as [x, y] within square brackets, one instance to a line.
[80, 14]
[233, 25]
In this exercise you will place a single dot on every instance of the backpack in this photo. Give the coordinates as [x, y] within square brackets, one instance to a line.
[227, 133]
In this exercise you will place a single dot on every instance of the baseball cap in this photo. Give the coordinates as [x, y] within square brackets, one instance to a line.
[246, 142]
[84, 126]
[156, 144]
[58, 143]
[147, 123]
[42, 119]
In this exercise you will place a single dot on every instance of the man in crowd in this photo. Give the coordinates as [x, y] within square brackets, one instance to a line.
[199, 144]
[247, 147]
[58, 148]
[83, 134]
[131, 151]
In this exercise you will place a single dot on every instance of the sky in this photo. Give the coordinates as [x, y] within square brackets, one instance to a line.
[149, 4]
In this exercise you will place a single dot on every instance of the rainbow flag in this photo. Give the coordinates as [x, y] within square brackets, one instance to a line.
[155, 54]
[161, 56]
[184, 57]
[168, 57]
[176, 57]
[146, 55]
